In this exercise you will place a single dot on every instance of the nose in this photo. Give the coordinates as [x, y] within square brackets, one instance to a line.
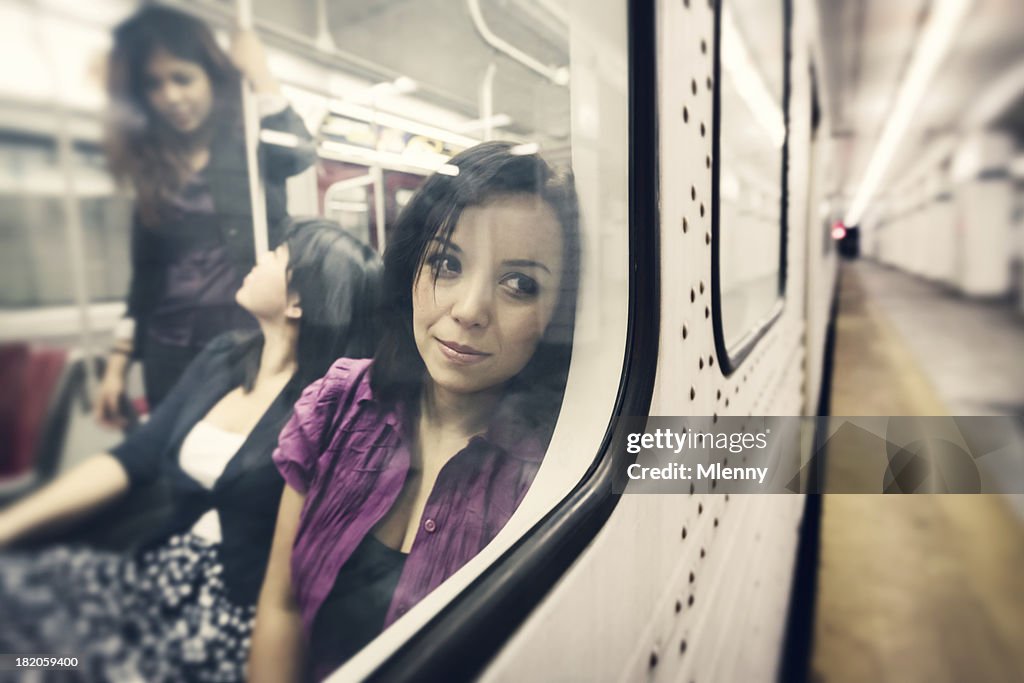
[263, 257]
[172, 93]
[473, 303]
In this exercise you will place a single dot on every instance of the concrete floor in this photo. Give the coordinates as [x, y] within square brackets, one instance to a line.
[924, 587]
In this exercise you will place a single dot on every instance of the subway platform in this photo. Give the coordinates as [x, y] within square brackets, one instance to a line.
[926, 587]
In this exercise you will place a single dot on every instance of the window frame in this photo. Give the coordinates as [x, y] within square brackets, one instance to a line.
[730, 358]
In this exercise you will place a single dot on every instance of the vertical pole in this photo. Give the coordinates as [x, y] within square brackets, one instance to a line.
[251, 121]
[486, 102]
[76, 241]
[378, 206]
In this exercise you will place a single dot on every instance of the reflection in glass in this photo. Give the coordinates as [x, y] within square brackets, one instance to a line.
[752, 136]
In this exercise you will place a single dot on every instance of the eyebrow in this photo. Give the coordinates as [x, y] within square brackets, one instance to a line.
[514, 263]
[449, 245]
[526, 263]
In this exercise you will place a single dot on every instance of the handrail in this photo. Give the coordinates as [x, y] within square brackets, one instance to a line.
[559, 75]
[304, 46]
[251, 125]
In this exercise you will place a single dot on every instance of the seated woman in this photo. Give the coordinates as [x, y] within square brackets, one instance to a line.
[182, 608]
[401, 469]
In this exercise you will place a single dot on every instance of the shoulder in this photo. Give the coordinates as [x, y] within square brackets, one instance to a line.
[224, 346]
[223, 352]
[323, 405]
[347, 376]
[346, 383]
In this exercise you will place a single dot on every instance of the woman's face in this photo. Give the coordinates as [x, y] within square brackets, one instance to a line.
[478, 322]
[179, 91]
[264, 291]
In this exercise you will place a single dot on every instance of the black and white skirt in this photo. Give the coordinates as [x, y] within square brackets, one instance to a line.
[162, 616]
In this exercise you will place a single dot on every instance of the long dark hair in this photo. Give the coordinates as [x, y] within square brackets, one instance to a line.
[142, 149]
[486, 171]
[338, 282]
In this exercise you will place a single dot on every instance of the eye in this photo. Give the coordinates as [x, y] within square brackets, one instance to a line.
[444, 265]
[520, 285]
[182, 79]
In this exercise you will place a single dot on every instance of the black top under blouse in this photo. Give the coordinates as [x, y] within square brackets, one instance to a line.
[353, 613]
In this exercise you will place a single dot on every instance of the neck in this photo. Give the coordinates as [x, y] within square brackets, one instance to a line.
[463, 414]
[278, 359]
[195, 145]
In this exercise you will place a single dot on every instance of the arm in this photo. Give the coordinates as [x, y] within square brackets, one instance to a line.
[279, 161]
[278, 643]
[83, 489]
[109, 406]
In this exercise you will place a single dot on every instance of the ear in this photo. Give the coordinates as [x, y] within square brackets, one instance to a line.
[293, 311]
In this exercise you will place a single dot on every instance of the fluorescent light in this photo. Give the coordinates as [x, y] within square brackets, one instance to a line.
[279, 138]
[936, 38]
[369, 115]
[525, 149]
[370, 157]
[403, 85]
[748, 82]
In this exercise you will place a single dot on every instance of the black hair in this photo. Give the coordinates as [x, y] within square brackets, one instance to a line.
[486, 171]
[338, 280]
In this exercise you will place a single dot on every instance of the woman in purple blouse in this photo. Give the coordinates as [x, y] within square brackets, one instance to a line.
[401, 469]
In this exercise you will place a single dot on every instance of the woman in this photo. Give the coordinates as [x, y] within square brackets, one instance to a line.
[182, 609]
[176, 134]
[401, 469]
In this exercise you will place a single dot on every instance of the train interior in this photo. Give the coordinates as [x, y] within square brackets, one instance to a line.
[905, 259]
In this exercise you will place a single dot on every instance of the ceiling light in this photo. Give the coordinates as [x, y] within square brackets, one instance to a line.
[943, 24]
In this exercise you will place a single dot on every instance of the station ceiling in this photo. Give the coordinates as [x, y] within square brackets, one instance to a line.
[868, 45]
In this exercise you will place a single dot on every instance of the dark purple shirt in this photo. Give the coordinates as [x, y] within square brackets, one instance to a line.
[200, 282]
[349, 454]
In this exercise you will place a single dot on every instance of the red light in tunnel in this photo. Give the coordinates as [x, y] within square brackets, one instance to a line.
[838, 230]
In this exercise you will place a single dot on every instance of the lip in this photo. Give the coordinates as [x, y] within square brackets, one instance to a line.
[180, 119]
[462, 355]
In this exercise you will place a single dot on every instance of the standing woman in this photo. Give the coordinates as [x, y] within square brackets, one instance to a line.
[399, 470]
[176, 134]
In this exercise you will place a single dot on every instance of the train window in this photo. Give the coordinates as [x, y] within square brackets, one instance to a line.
[36, 269]
[750, 220]
[460, 73]
[391, 94]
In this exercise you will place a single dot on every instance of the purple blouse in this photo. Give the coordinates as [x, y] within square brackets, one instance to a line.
[348, 453]
[200, 278]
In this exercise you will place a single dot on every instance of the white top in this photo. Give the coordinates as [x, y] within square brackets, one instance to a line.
[204, 454]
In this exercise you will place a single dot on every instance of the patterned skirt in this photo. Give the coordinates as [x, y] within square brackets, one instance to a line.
[162, 616]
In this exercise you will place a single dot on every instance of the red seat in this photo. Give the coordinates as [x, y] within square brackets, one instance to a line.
[30, 381]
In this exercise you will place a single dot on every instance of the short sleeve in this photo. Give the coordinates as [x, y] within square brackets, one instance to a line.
[302, 440]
